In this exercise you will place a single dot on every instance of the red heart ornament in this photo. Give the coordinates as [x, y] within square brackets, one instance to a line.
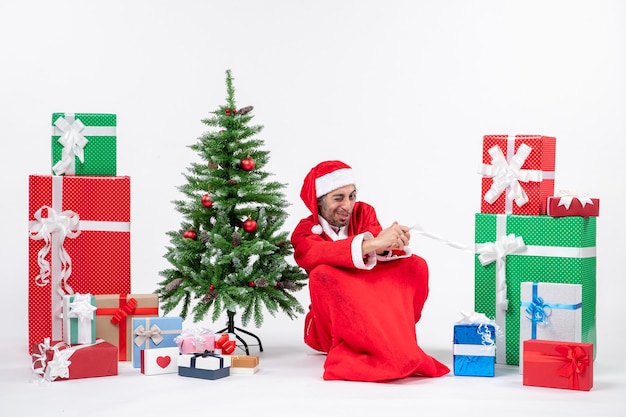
[163, 361]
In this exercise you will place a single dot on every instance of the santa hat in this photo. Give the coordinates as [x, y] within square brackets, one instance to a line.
[322, 179]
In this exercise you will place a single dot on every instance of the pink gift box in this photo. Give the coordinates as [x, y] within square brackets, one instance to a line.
[190, 343]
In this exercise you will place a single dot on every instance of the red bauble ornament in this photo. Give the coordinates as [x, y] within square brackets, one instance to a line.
[249, 225]
[212, 287]
[206, 201]
[247, 164]
[227, 111]
[232, 182]
[190, 234]
[251, 284]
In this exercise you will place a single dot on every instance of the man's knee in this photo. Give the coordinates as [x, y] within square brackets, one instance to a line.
[322, 275]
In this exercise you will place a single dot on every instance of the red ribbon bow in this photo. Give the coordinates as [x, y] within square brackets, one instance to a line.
[123, 312]
[576, 361]
[226, 344]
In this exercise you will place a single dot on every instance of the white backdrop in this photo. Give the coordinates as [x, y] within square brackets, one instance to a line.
[401, 90]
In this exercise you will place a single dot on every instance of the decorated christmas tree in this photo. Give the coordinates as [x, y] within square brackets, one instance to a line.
[230, 254]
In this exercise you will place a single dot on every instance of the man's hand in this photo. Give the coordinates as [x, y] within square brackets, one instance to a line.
[394, 237]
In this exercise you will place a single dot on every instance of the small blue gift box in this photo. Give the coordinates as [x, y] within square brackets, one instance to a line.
[474, 349]
[154, 332]
[203, 365]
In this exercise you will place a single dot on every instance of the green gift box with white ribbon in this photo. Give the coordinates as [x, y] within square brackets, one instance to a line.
[511, 249]
[79, 319]
[84, 144]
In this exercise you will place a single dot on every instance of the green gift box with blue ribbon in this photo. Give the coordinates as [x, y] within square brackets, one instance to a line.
[550, 311]
[84, 144]
[511, 249]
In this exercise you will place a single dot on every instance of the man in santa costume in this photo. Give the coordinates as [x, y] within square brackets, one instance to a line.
[367, 289]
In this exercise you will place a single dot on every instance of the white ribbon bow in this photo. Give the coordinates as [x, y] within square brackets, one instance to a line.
[482, 320]
[59, 366]
[475, 318]
[508, 175]
[73, 143]
[497, 251]
[568, 195]
[143, 334]
[40, 358]
[81, 308]
[65, 224]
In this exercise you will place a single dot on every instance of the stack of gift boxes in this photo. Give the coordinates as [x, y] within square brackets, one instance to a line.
[535, 267]
[82, 317]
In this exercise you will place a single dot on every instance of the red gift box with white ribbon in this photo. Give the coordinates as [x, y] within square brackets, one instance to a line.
[79, 242]
[57, 361]
[518, 173]
[572, 203]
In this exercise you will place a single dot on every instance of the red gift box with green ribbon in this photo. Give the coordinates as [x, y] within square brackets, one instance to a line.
[558, 364]
[79, 229]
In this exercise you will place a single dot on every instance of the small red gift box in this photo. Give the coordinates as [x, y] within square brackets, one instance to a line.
[79, 243]
[57, 361]
[558, 364]
[518, 173]
[570, 204]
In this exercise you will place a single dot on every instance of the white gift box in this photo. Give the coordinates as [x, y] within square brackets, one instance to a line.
[159, 361]
[550, 311]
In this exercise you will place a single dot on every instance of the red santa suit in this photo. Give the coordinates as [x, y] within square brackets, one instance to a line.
[363, 308]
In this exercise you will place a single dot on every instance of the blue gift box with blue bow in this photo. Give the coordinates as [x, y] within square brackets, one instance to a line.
[474, 349]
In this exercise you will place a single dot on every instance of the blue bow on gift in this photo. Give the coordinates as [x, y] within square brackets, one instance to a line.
[538, 311]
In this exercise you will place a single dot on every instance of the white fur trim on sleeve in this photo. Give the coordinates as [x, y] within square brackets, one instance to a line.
[392, 257]
[357, 255]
